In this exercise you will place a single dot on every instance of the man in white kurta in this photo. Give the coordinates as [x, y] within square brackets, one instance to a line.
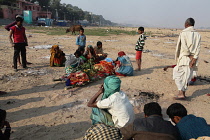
[187, 52]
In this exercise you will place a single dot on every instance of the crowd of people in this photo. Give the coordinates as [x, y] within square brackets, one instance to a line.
[113, 116]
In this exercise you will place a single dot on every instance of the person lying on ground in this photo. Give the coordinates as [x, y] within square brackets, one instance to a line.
[99, 51]
[4, 123]
[189, 126]
[57, 57]
[114, 108]
[193, 79]
[7, 27]
[124, 66]
[152, 123]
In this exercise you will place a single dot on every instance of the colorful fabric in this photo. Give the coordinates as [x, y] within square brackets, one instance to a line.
[102, 132]
[101, 116]
[81, 40]
[191, 126]
[18, 34]
[104, 67]
[78, 78]
[125, 67]
[111, 85]
[138, 55]
[140, 43]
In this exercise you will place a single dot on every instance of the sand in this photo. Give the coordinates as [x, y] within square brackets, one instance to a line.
[40, 109]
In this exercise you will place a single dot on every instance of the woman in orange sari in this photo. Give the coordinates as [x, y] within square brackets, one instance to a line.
[57, 57]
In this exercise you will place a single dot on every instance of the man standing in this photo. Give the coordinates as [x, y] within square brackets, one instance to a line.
[187, 51]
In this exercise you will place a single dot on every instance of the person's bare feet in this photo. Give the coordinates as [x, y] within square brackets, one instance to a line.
[180, 96]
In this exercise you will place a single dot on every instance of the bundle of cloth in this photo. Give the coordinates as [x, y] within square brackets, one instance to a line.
[104, 68]
[57, 57]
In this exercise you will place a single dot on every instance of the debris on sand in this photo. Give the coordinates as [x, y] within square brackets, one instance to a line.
[41, 47]
[143, 98]
[206, 61]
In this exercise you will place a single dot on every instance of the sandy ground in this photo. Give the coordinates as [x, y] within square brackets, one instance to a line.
[40, 109]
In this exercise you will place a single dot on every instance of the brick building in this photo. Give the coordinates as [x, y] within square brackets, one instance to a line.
[9, 12]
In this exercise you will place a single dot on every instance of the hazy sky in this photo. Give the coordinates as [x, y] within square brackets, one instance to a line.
[158, 13]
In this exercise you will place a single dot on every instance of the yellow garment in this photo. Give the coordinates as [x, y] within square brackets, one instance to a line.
[202, 138]
[55, 52]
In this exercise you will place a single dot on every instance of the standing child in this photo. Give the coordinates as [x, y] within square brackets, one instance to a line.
[139, 47]
[81, 39]
[19, 42]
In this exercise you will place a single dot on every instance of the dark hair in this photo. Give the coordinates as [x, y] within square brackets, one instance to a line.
[81, 29]
[152, 108]
[176, 109]
[99, 43]
[141, 28]
[81, 49]
[2, 115]
[190, 21]
[78, 52]
[19, 19]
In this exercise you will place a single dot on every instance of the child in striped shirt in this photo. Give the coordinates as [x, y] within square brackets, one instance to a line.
[139, 47]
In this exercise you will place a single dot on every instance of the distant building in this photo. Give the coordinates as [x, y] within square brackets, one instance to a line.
[9, 12]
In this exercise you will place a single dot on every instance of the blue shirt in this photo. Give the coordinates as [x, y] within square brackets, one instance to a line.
[191, 126]
[81, 40]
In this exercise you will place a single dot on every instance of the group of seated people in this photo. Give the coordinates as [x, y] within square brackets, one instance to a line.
[90, 62]
[113, 118]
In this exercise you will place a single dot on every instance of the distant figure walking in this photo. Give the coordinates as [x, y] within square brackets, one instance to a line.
[187, 52]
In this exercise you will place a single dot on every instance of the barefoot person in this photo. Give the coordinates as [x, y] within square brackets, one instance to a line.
[139, 47]
[187, 52]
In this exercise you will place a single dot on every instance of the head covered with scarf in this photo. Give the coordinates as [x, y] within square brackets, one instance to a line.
[111, 85]
[121, 53]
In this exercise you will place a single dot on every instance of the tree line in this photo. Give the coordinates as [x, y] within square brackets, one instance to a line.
[66, 11]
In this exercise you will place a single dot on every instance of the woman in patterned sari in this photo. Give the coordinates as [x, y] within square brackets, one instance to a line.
[123, 65]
